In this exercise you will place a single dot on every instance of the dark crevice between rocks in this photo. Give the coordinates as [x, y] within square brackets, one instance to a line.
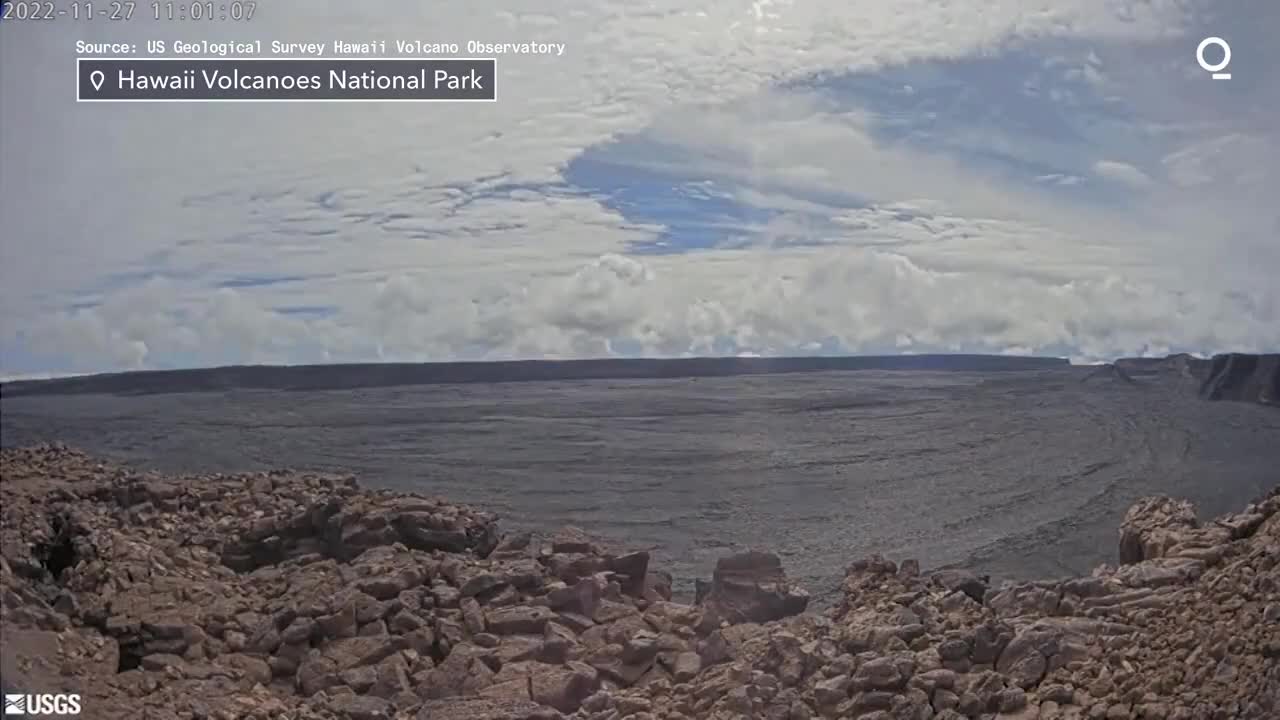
[437, 653]
[130, 658]
[59, 553]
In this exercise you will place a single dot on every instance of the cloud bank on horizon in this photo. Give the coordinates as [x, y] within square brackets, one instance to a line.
[771, 177]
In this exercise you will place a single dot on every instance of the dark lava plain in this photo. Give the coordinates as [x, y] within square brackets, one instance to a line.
[1021, 474]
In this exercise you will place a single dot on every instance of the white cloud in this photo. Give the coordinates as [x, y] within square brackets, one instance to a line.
[863, 300]
[1121, 172]
[37, 376]
[1233, 159]
[428, 234]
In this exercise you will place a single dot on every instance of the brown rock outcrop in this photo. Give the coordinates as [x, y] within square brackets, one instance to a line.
[751, 587]
[1182, 632]
[1152, 526]
[300, 595]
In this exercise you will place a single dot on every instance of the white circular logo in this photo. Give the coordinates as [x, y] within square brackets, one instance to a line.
[1226, 57]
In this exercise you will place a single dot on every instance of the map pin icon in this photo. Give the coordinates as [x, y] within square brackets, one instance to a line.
[96, 77]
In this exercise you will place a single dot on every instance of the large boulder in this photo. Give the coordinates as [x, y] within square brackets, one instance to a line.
[1026, 658]
[1153, 525]
[961, 580]
[521, 619]
[346, 523]
[751, 587]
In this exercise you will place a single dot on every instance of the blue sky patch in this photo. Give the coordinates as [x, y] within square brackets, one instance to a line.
[1039, 116]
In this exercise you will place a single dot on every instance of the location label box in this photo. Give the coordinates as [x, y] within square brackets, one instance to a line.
[286, 80]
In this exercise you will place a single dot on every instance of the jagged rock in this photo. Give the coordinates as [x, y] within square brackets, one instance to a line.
[444, 596]
[563, 688]
[961, 581]
[364, 650]
[1026, 658]
[634, 569]
[752, 587]
[463, 672]
[608, 611]
[1152, 526]
[359, 679]
[832, 691]
[882, 673]
[517, 648]
[472, 616]
[361, 707]
[299, 595]
[255, 668]
[1160, 572]
[686, 666]
[558, 645]
[582, 598]
[528, 620]
[515, 690]
[299, 631]
[482, 583]
[160, 661]
[315, 673]
[405, 622]
[341, 624]
[572, 540]
[657, 585]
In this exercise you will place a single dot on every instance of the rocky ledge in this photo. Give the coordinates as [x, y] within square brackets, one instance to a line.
[297, 595]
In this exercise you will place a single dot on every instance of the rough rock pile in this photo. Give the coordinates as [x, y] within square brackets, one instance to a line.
[1187, 629]
[294, 595]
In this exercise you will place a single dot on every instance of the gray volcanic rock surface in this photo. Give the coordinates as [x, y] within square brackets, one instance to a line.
[1019, 474]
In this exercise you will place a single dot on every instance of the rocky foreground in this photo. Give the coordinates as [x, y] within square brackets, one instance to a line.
[296, 595]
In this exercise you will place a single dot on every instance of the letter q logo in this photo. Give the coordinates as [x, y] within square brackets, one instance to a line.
[1215, 70]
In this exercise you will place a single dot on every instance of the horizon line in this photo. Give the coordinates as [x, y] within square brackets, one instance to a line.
[1076, 361]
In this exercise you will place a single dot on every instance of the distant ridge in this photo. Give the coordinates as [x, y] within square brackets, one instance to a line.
[1236, 377]
[1110, 373]
[1243, 377]
[368, 375]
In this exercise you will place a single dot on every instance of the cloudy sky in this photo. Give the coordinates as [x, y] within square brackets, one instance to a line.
[727, 177]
